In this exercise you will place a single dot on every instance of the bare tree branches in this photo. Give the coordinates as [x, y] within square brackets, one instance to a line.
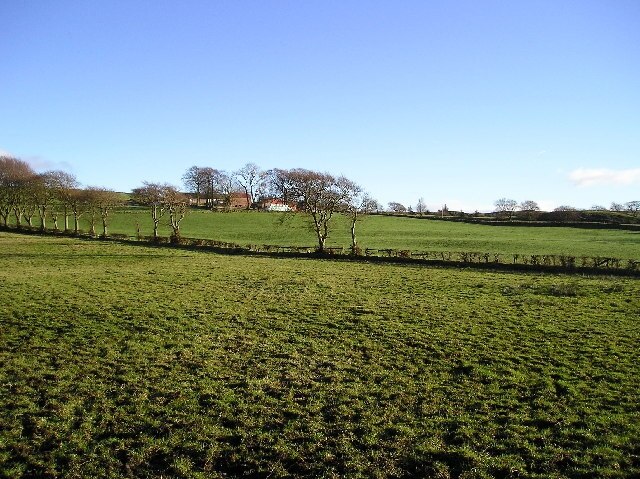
[251, 179]
[318, 194]
[15, 176]
[359, 204]
[506, 207]
[152, 195]
[163, 198]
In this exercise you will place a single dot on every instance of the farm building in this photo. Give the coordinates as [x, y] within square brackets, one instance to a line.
[275, 204]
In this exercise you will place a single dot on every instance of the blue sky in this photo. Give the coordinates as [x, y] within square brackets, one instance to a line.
[458, 102]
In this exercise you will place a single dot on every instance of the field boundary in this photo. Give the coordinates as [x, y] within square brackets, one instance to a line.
[567, 264]
[596, 225]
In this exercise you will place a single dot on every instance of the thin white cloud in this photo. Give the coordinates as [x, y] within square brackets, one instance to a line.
[547, 205]
[39, 163]
[604, 176]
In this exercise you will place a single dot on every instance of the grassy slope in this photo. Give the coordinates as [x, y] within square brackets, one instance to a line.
[396, 233]
[130, 361]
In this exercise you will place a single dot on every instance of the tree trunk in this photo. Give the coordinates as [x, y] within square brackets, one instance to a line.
[249, 198]
[354, 241]
[318, 229]
[18, 214]
[66, 219]
[156, 220]
[104, 227]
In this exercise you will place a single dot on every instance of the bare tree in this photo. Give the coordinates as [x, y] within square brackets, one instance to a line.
[80, 203]
[100, 202]
[208, 178]
[358, 204]
[633, 207]
[530, 208]
[278, 184]
[64, 185]
[29, 206]
[506, 207]
[176, 204]
[421, 206]
[318, 194]
[107, 200]
[224, 183]
[44, 193]
[91, 194]
[154, 196]
[616, 207]
[217, 185]
[15, 176]
[396, 207]
[195, 181]
[251, 179]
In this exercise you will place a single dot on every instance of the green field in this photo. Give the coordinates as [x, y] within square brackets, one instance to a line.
[391, 232]
[122, 360]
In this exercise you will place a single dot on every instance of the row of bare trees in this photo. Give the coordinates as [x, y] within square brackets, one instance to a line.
[215, 187]
[26, 194]
[508, 207]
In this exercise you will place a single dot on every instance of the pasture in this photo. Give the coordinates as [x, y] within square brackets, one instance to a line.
[124, 360]
[381, 232]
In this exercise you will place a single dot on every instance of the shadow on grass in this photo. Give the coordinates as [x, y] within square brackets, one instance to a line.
[232, 249]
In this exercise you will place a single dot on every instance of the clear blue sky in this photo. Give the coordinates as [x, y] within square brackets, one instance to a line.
[458, 102]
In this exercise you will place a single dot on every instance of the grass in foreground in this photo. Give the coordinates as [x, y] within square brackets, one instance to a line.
[129, 361]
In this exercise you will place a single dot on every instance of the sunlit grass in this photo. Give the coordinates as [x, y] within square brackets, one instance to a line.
[394, 232]
[129, 361]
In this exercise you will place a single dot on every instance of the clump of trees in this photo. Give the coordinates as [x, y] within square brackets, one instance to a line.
[163, 198]
[210, 185]
[320, 195]
[215, 187]
[506, 207]
[25, 194]
[396, 207]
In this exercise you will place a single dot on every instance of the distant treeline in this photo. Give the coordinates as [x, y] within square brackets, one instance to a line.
[583, 219]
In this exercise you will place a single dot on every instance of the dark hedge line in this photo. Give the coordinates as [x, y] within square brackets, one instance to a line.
[540, 222]
[482, 260]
